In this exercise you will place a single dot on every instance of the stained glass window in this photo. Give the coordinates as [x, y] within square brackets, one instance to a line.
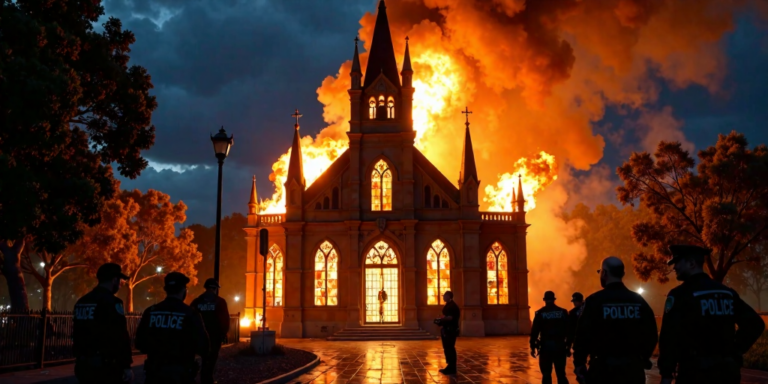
[326, 275]
[381, 253]
[391, 108]
[275, 277]
[496, 260]
[438, 272]
[381, 187]
[372, 108]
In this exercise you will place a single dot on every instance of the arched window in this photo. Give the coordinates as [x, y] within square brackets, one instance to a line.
[390, 108]
[427, 197]
[438, 272]
[496, 260]
[335, 198]
[326, 203]
[326, 275]
[381, 100]
[436, 201]
[275, 277]
[445, 203]
[381, 253]
[372, 108]
[381, 187]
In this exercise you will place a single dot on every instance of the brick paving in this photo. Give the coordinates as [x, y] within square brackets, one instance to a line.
[481, 360]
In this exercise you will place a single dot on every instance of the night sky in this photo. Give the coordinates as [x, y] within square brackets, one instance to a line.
[247, 65]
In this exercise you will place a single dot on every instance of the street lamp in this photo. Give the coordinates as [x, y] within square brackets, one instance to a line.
[640, 290]
[221, 146]
[159, 269]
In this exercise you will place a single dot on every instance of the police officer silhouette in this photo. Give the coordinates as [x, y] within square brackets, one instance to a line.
[171, 333]
[101, 343]
[449, 322]
[698, 331]
[616, 330]
[215, 313]
[548, 336]
[573, 318]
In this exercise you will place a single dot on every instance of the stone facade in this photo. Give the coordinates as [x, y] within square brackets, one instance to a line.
[383, 190]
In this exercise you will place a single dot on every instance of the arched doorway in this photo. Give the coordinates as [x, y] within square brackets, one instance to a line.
[382, 285]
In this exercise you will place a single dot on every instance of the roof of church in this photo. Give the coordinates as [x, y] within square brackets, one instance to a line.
[321, 184]
[445, 185]
[381, 58]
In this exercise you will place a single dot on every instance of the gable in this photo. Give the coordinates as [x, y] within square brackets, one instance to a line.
[381, 85]
[436, 176]
[327, 179]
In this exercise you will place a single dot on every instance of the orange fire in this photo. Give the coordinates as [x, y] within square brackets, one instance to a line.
[536, 173]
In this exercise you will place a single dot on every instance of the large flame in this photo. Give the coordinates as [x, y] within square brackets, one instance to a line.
[438, 83]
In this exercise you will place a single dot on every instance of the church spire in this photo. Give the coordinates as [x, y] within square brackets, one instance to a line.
[382, 55]
[253, 203]
[295, 167]
[468, 168]
[514, 200]
[356, 72]
[407, 71]
[520, 196]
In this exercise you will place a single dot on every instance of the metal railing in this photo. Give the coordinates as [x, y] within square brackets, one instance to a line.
[36, 338]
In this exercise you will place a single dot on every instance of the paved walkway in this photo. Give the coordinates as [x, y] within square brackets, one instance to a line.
[481, 360]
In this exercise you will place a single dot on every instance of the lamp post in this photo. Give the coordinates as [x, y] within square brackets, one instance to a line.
[221, 146]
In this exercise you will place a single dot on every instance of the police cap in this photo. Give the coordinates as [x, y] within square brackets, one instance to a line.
[680, 252]
[577, 296]
[549, 295]
[110, 271]
[176, 279]
[211, 283]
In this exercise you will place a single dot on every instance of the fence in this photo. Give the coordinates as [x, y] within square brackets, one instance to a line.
[37, 338]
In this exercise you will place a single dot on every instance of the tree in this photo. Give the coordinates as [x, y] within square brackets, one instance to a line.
[722, 206]
[71, 107]
[752, 275]
[153, 227]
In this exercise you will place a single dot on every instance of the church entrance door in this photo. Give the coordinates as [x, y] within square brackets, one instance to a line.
[382, 285]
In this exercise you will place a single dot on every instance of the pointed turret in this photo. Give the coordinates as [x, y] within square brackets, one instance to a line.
[295, 167]
[357, 72]
[253, 203]
[381, 58]
[520, 196]
[468, 168]
[514, 201]
[407, 71]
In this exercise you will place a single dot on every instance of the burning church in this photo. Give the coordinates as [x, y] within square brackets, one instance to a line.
[381, 234]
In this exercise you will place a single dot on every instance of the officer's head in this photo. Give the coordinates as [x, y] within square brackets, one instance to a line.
[110, 275]
[549, 297]
[176, 285]
[687, 260]
[211, 285]
[577, 299]
[611, 271]
[448, 296]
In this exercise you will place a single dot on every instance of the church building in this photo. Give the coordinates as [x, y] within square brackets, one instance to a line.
[381, 235]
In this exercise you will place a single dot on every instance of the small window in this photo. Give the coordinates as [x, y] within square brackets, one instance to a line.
[381, 187]
[326, 203]
[496, 264]
[445, 203]
[438, 272]
[372, 108]
[335, 198]
[326, 275]
[436, 201]
[381, 100]
[427, 197]
[391, 108]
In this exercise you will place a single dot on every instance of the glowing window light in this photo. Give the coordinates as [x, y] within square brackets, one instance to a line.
[381, 187]
[275, 277]
[438, 272]
[496, 262]
[326, 275]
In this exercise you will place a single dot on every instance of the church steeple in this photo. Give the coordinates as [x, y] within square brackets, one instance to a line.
[253, 203]
[520, 196]
[356, 72]
[407, 71]
[468, 168]
[295, 167]
[381, 59]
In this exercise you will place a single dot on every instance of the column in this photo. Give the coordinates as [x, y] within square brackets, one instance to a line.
[473, 282]
[408, 279]
[351, 259]
[292, 326]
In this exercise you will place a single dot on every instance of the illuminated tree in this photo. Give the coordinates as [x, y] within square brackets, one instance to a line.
[752, 275]
[71, 107]
[721, 206]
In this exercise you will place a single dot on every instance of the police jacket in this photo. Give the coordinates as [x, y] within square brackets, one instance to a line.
[573, 320]
[100, 328]
[700, 318]
[171, 332]
[551, 322]
[215, 315]
[615, 323]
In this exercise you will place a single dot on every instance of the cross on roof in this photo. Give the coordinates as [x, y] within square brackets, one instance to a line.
[466, 111]
[297, 115]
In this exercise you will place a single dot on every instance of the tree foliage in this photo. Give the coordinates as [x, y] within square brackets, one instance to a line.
[721, 206]
[751, 276]
[71, 107]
